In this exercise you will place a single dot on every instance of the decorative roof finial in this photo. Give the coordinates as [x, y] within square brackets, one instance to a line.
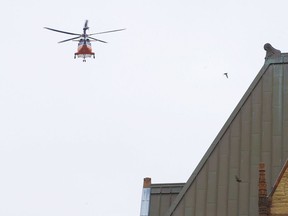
[271, 52]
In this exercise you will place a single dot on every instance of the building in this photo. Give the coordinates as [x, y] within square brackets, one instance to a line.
[226, 180]
[157, 198]
[276, 202]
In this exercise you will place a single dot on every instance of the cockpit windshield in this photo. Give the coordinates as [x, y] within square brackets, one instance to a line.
[83, 41]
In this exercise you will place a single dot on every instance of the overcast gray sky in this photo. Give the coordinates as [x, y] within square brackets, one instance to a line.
[78, 138]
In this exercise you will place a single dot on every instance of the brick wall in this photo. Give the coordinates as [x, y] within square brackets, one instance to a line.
[280, 197]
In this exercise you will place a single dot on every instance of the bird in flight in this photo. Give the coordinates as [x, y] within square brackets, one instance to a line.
[226, 74]
[238, 179]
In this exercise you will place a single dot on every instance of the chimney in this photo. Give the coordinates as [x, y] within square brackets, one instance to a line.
[145, 201]
[147, 182]
[262, 192]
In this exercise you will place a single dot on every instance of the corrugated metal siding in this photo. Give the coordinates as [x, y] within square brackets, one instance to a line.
[257, 132]
[162, 196]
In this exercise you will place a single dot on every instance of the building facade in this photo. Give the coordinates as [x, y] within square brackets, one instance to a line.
[226, 180]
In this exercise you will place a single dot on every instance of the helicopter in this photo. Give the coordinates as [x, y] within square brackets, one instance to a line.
[84, 41]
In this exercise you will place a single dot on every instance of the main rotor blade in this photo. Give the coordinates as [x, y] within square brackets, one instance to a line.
[97, 40]
[69, 39]
[70, 33]
[107, 32]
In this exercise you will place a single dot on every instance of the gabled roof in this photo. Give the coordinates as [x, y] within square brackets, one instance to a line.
[279, 178]
[252, 133]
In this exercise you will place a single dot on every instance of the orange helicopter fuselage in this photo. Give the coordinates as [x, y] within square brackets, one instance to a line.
[84, 49]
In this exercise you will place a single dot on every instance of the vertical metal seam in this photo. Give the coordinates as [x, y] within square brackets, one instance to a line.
[239, 156]
[217, 180]
[281, 110]
[250, 155]
[206, 187]
[160, 200]
[282, 115]
[284, 108]
[228, 167]
[271, 138]
[261, 119]
[260, 83]
[194, 198]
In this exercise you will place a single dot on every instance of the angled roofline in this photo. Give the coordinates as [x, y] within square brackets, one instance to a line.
[273, 56]
[284, 168]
